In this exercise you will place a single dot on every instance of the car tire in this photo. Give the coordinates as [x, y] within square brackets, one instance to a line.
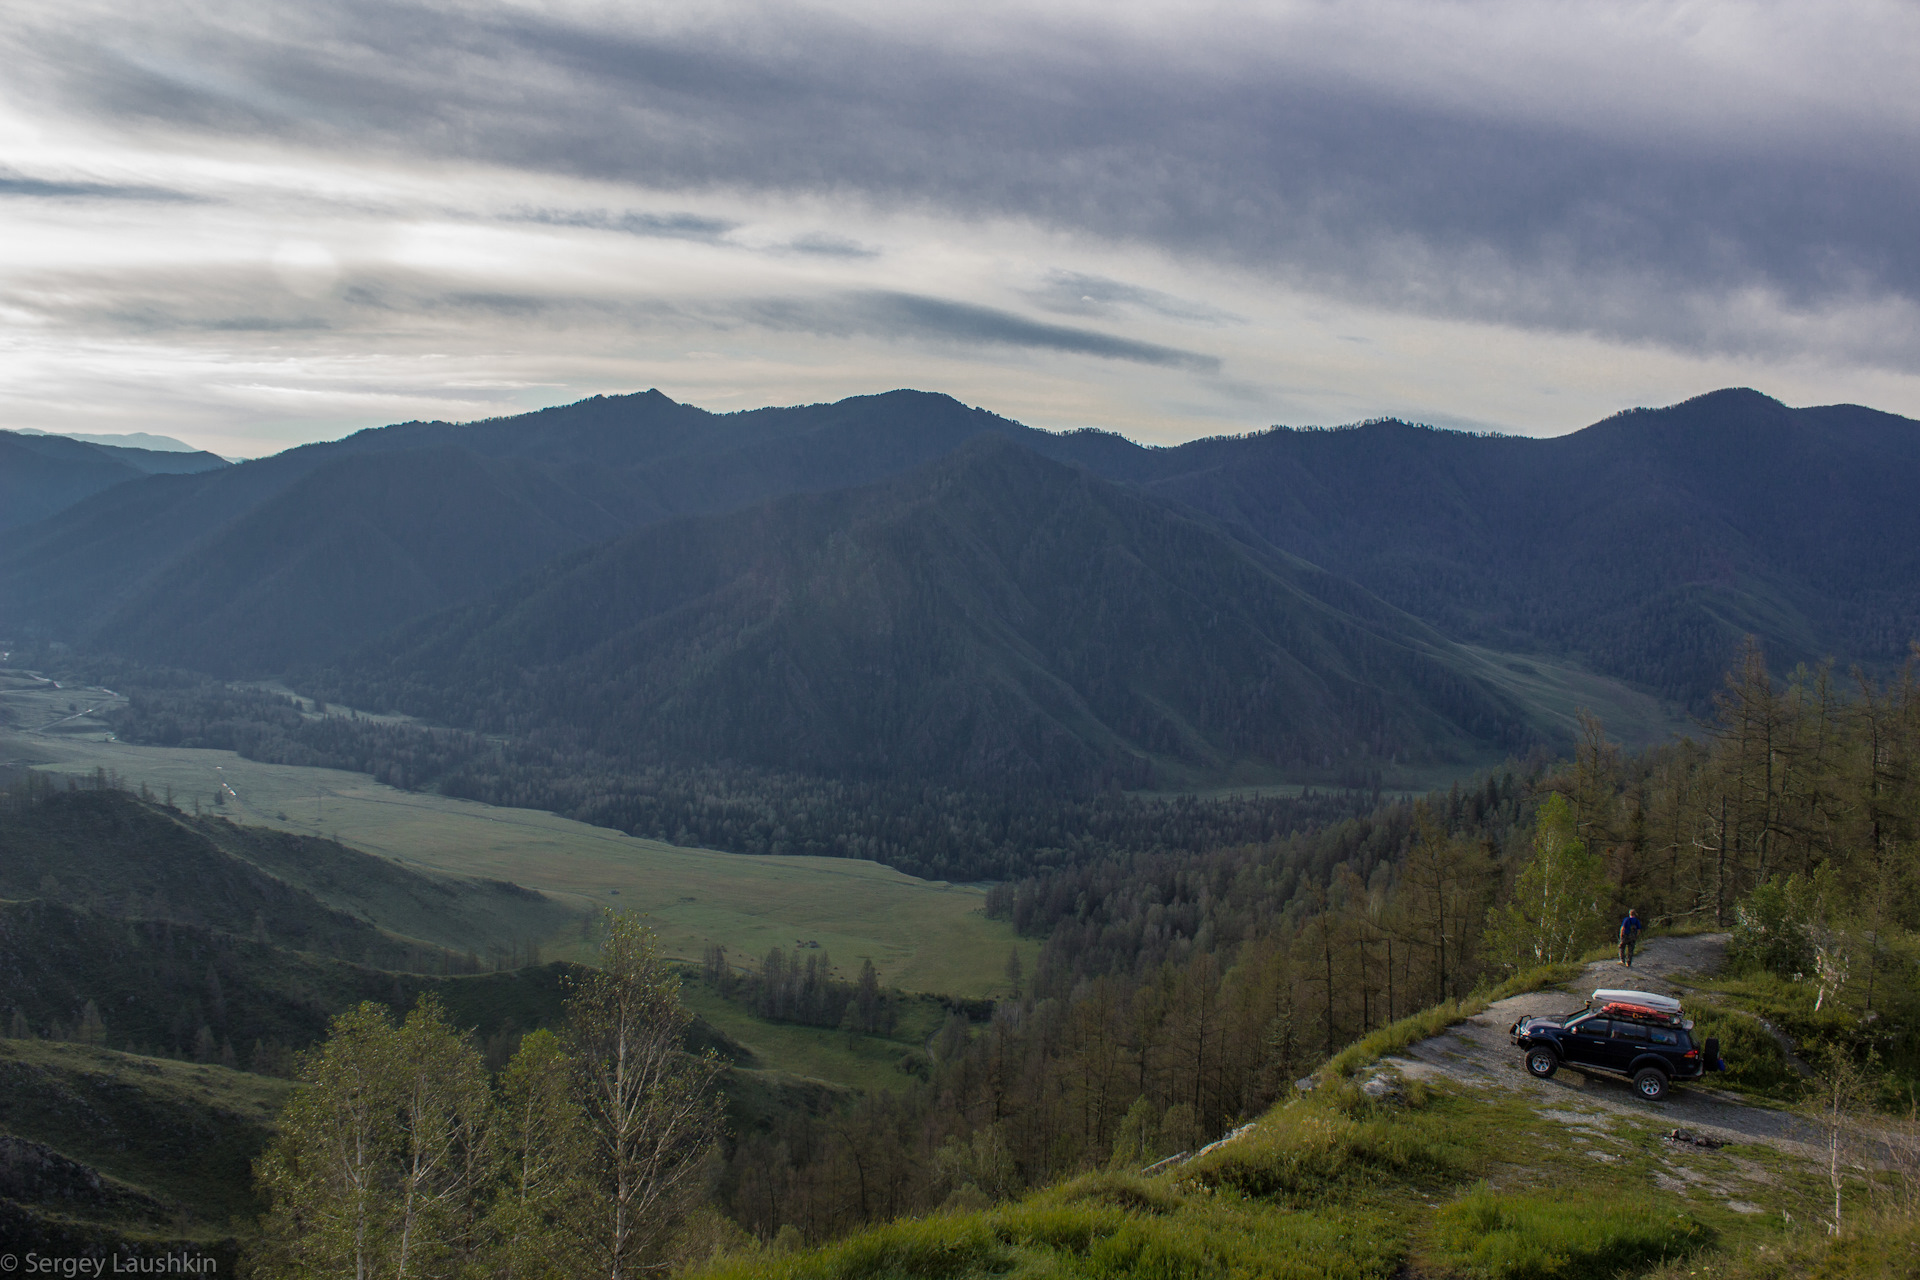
[1650, 1083]
[1542, 1063]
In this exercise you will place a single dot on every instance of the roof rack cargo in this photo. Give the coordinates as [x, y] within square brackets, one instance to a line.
[1635, 1004]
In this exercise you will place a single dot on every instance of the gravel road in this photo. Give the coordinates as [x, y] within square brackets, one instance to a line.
[1477, 1052]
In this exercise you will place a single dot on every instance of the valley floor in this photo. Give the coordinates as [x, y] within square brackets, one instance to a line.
[922, 935]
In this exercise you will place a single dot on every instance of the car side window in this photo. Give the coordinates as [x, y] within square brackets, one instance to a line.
[1593, 1027]
[1629, 1031]
[1663, 1035]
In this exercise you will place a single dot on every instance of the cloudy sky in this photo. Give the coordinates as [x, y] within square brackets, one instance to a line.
[254, 224]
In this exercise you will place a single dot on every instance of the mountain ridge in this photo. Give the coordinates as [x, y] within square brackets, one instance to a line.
[993, 618]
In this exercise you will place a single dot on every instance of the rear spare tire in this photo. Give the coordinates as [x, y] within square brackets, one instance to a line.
[1650, 1083]
[1542, 1062]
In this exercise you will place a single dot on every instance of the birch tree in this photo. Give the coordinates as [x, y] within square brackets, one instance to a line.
[1554, 913]
[651, 1110]
[381, 1155]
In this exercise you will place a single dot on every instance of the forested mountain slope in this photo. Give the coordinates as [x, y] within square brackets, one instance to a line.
[40, 475]
[993, 619]
[1644, 546]
[362, 525]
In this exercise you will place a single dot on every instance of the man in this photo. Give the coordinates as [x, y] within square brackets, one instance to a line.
[1629, 936]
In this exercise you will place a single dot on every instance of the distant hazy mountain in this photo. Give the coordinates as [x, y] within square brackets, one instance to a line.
[346, 554]
[42, 474]
[994, 618]
[128, 440]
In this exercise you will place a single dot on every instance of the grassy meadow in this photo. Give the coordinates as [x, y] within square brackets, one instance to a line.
[817, 1053]
[921, 935]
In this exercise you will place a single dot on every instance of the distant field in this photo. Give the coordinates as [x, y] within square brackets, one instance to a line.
[819, 1053]
[921, 935]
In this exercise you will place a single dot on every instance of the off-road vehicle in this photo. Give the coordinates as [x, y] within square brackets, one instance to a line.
[1635, 1034]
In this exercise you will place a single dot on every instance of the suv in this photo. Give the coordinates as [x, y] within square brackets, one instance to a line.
[1635, 1034]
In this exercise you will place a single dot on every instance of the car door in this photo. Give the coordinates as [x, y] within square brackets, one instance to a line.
[1589, 1042]
[1630, 1040]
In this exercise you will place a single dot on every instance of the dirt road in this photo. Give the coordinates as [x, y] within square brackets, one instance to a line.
[1477, 1052]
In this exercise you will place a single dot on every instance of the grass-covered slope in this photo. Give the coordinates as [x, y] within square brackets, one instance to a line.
[109, 1149]
[1424, 1182]
[112, 852]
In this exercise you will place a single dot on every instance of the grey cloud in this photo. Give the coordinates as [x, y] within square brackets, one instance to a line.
[670, 226]
[938, 319]
[827, 246]
[1076, 293]
[1341, 186]
[14, 183]
[246, 300]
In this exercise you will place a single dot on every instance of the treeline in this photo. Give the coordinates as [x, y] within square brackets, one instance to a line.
[929, 831]
[804, 990]
[1175, 996]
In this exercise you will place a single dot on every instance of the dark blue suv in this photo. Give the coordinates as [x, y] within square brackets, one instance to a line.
[1643, 1038]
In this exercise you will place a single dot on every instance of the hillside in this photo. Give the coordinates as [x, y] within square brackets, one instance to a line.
[993, 620]
[1445, 1161]
[42, 474]
[1646, 545]
[353, 528]
[346, 554]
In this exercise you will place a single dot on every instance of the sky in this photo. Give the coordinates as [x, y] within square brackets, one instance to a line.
[251, 225]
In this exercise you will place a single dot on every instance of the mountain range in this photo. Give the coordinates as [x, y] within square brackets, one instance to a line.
[867, 587]
[41, 474]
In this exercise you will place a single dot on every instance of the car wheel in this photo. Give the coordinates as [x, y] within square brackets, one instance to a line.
[1651, 1083]
[1542, 1062]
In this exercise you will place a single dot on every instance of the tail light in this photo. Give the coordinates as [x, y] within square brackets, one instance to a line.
[1691, 1053]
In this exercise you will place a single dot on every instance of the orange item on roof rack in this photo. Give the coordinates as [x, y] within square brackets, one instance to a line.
[1620, 1009]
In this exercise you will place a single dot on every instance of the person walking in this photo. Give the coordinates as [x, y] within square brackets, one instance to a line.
[1630, 928]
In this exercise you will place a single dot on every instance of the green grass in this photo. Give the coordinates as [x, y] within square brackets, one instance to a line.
[921, 935]
[1542, 1237]
[817, 1053]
